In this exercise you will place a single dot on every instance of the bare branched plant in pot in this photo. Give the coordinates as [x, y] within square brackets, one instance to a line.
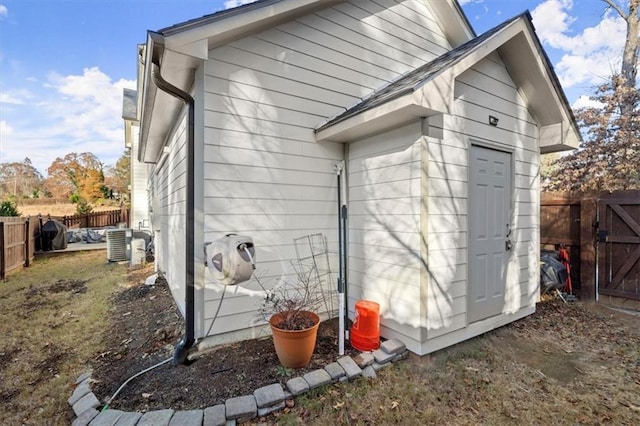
[291, 307]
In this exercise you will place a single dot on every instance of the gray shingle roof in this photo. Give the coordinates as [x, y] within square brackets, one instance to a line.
[413, 80]
[216, 16]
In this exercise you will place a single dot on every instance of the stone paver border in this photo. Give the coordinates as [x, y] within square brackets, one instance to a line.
[263, 401]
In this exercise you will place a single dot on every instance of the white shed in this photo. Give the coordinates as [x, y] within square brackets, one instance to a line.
[440, 130]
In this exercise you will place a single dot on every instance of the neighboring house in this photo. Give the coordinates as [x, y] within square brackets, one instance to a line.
[138, 172]
[441, 133]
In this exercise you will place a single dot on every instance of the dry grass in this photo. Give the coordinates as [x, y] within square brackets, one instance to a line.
[568, 364]
[58, 209]
[51, 319]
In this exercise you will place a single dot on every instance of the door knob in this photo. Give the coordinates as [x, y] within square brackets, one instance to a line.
[508, 245]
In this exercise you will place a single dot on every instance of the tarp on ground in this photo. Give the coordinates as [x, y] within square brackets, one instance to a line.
[86, 235]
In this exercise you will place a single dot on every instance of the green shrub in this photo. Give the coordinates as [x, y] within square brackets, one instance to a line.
[83, 207]
[8, 208]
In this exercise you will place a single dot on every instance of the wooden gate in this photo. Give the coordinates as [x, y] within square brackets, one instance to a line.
[569, 219]
[618, 236]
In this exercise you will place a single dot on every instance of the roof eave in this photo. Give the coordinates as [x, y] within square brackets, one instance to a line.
[159, 109]
[558, 128]
[183, 47]
[387, 116]
[147, 93]
[225, 26]
[454, 21]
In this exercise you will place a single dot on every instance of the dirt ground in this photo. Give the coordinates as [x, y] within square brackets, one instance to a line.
[567, 364]
[568, 355]
[50, 314]
[144, 328]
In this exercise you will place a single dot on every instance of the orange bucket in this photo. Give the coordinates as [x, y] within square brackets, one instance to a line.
[365, 332]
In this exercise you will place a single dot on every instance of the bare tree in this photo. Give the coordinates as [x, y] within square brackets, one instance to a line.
[21, 180]
[609, 157]
[629, 68]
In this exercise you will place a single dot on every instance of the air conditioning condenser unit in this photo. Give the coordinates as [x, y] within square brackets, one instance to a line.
[119, 245]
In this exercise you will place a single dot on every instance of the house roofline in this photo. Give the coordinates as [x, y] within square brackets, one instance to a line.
[182, 47]
[560, 126]
[431, 70]
[550, 70]
[214, 17]
[464, 18]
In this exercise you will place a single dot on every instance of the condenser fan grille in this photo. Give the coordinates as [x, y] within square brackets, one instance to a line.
[119, 245]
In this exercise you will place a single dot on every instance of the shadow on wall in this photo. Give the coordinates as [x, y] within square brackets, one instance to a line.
[266, 178]
[391, 240]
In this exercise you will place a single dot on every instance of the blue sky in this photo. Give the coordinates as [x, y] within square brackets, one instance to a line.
[64, 63]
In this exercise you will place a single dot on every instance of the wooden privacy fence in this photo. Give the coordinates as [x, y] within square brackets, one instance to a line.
[19, 236]
[95, 219]
[602, 233]
[17, 243]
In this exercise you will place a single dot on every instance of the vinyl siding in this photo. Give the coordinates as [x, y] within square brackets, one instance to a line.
[384, 226]
[485, 89]
[169, 194]
[264, 175]
[139, 217]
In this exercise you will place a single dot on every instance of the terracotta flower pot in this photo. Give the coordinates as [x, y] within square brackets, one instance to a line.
[294, 347]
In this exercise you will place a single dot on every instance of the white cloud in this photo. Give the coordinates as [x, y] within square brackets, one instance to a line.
[463, 2]
[586, 102]
[590, 55]
[74, 113]
[5, 129]
[15, 97]
[552, 21]
[235, 3]
[3, 11]
[592, 69]
[7, 98]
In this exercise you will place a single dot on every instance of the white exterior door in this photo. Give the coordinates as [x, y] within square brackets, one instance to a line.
[489, 231]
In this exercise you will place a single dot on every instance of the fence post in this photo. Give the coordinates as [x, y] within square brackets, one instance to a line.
[587, 249]
[40, 231]
[3, 253]
[27, 241]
